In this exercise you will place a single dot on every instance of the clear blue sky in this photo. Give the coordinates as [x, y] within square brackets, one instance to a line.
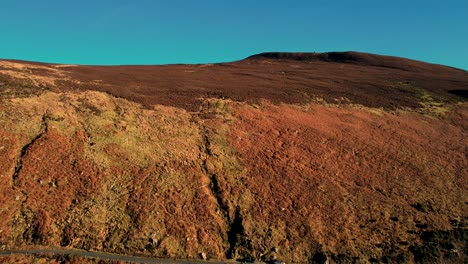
[199, 31]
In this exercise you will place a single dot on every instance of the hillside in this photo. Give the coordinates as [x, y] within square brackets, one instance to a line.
[349, 157]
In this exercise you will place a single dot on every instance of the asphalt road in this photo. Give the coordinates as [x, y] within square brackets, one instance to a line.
[103, 255]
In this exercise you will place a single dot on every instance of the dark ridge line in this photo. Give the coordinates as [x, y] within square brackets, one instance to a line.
[236, 234]
[19, 164]
[206, 148]
[214, 187]
[235, 225]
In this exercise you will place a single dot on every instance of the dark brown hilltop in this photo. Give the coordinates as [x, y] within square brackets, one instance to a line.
[366, 79]
[344, 157]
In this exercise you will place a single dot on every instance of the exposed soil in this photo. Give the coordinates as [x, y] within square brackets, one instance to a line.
[305, 157]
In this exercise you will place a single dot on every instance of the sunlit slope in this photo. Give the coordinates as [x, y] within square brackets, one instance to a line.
[100, 164]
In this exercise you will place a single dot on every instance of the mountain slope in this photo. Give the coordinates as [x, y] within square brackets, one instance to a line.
[399, 83]
[345, 156]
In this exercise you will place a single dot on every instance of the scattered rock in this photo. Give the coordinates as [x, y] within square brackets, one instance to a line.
[320, 258]
[246, 260]
[270, 257]
[203, 256]
[421, 225]
[277, 261]
[153, 241]
[422, 207]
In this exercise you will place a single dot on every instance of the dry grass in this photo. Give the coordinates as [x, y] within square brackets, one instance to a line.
[345, 178]
[29, 72]
[143, 165]
[233, 179]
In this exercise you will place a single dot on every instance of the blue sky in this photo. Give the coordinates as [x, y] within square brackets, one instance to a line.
[198, 31]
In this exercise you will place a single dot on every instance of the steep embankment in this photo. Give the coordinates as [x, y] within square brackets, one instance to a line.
[222, 159]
